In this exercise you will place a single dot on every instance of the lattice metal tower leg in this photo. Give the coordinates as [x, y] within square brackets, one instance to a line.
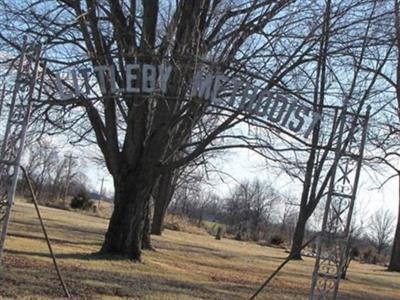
[333, 241]
[15, 134]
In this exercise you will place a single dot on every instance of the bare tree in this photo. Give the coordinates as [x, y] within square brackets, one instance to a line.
[187, 189]
[356, 232]
[381, 228]
[142, 137]
[250, 207]
[163, 192]
[288, 218]
[46, 167]
[334, 82]
[385, 137]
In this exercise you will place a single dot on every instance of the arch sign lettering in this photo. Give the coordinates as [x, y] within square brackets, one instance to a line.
[149, 79]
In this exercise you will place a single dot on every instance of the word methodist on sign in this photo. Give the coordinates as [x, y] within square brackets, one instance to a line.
[147, 79]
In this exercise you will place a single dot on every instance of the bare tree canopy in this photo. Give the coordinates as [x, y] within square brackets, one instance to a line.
[382, 225]
[143, 136]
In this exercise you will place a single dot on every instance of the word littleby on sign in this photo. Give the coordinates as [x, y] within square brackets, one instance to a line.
[148, 79]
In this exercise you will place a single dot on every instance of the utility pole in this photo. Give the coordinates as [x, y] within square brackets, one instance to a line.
[70, 158]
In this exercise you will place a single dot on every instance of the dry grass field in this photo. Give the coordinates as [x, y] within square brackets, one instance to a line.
[185, 266]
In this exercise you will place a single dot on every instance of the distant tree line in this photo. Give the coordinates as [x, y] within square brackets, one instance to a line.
[54, 176]
[256, 211]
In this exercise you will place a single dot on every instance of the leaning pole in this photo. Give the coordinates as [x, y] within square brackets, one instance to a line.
[13, 140]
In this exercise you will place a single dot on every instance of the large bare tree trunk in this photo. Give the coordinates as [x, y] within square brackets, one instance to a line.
[163, 196]
[395, 258]
[125, 230]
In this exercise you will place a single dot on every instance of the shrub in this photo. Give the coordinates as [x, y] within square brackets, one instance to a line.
[277, 240]
[81, 200]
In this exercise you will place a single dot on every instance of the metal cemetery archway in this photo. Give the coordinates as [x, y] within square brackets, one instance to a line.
[347, 144]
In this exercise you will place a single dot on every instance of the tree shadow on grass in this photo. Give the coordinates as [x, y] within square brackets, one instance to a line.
[362, 296]
[30, 278]
[386, 272]
[62, 227]
[375, 281]
[53, 240]
[77, 256]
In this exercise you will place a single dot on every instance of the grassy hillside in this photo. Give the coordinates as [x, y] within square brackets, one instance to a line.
[185, 266]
